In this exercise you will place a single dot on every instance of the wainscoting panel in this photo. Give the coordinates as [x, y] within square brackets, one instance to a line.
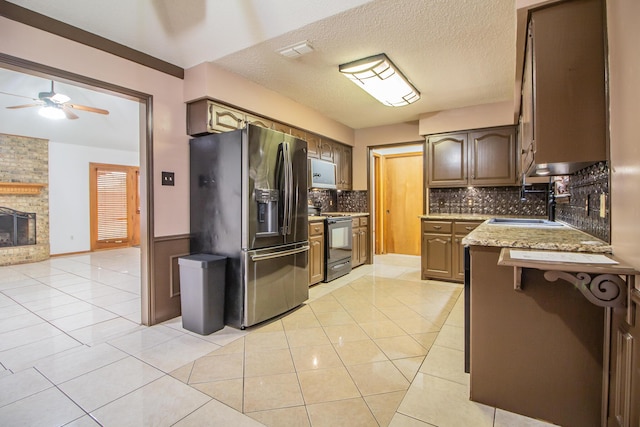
[165, 280]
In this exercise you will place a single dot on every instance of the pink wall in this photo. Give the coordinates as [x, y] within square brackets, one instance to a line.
[474, 117]
[380, 135]
[170, 141]
[624, 92]
[208, 80]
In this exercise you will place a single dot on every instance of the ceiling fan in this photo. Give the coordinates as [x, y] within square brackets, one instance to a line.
[55, 105]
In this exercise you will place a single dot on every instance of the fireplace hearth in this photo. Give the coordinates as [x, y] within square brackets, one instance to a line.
[17, 228]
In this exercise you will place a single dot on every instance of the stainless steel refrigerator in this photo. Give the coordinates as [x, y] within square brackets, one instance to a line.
[249, 203]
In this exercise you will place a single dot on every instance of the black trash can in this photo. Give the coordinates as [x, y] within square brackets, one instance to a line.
[202, 283]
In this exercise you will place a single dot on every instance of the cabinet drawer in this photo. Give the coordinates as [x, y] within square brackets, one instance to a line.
[355, 222]
[436, 226]
[364, 221]
[464, 228]
[316, 228]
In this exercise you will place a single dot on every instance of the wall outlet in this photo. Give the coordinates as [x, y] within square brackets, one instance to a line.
[168, 178]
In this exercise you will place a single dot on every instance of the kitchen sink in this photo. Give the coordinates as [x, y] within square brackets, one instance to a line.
[525, 222]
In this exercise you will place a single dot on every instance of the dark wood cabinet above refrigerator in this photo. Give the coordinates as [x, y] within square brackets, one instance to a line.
[206, 116]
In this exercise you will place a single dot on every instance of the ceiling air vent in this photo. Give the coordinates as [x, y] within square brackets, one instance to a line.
[296, 50]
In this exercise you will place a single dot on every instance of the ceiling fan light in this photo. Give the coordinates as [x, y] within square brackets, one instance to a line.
[53, 113]
[60, 98]
[380, 78]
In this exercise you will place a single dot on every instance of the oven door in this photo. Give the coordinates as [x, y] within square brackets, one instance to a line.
[339, 242]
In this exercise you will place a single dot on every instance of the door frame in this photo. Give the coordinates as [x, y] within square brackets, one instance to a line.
[375, 190]
[145, 152]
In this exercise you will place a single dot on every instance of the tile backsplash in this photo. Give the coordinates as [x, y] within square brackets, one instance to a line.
[587, 189]
[489, 200]
[339, 201]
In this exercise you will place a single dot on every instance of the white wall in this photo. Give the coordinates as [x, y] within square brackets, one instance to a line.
[69, 225]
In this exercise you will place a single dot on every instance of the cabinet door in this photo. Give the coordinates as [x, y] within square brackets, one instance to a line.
[258, 121]
[436, 256]
[363, 242]
[313, 146]
[492, 157]
[298, 133]
[280, 127]
[224, 119]
[460, 229]
[342, 159]
[624, 386]
[526, 119]
[569, 82]
[458, 258]
[326, 151]
[316, 259]
[345, 167]
[447, 159]
[355, 247]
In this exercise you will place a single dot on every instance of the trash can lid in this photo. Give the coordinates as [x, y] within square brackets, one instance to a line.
[200, 260]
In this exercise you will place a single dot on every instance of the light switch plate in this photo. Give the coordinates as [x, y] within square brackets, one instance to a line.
[603, 205]
[168, 178]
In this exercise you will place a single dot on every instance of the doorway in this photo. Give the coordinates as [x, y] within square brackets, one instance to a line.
[398, 198]
[143, 114]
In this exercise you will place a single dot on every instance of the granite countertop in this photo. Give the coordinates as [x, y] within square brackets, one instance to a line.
[470, 216]
[566, 238]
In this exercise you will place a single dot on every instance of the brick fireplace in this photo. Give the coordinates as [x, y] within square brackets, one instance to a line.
[24, 199]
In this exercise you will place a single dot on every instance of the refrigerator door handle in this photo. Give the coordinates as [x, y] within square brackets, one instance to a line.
[289, 187]
[279, 254]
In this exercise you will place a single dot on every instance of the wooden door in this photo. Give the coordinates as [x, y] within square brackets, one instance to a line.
[114, 206]
[378, 228]
[403, 203]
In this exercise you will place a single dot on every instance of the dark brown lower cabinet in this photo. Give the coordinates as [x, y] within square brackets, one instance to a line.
[442, 249]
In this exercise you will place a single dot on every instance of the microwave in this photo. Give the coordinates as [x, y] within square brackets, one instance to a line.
[322, 174]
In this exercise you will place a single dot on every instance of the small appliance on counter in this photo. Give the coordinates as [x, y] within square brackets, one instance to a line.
[313, 210]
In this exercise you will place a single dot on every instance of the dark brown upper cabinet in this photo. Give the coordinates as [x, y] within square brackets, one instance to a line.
[484, 157]
[563, 110]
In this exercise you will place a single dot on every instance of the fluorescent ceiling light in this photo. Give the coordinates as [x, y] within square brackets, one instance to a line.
[379, 77]
[51, 112]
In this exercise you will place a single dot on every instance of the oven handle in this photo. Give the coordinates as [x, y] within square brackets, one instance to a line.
[279, 254]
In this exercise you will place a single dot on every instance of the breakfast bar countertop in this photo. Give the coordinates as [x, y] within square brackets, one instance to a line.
[567, 238]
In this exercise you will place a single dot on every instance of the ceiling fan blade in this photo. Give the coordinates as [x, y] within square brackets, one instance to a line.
[19, 96]
[85, 108]
[70, 114]
[24, 106]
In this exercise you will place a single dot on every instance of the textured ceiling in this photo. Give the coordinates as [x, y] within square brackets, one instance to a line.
[457, 53]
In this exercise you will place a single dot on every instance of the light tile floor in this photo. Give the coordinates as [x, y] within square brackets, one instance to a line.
[378, 347]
